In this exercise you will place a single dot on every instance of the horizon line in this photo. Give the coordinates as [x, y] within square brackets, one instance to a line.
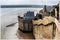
[21, 6]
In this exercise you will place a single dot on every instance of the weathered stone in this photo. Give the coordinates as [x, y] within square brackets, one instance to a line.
[47, 31]
[37, 31]
[45, 28]
[25, 25]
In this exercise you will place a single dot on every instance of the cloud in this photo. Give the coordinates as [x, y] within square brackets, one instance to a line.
[29, 2]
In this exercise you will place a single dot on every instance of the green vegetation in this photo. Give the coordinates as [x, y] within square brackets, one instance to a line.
[53, 13]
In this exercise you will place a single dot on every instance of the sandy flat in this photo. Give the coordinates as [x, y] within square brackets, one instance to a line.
[7, 20]
[10, 32]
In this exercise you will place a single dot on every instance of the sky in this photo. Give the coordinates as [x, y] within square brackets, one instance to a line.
[29, 2]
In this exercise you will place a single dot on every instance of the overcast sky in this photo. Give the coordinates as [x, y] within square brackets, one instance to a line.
[29, 2]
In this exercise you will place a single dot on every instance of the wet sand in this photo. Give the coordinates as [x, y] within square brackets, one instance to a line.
[10, 32]
[5, 21]
[22, 35]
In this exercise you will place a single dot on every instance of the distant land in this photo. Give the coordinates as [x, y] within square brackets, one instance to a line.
[21, 6]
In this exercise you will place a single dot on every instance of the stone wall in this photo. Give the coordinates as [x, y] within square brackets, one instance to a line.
[45, 28]
[25, 25]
